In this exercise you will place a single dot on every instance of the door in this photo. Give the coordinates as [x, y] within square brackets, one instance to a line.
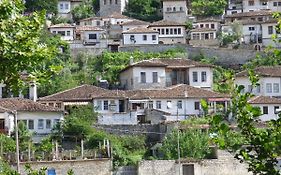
[188, 169]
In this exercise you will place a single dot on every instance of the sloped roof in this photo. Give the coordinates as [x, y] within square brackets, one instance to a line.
[140, 30]
[20, 104]
[135, 22]
[250, 14]
[264, 100]
[88, 28]
[62, 25]
[264, 71]
[80, 93]
[165, 23]
[173, 92]
[117, 15]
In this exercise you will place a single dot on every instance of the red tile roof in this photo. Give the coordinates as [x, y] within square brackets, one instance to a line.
[251, 14]
[62, 25]
[140, 30]
[264, 100]
[20, 104]
[135, 22]
[264, 71]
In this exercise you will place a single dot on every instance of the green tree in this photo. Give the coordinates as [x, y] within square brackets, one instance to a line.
[21, 49]
[84, 10]
[194, 143]
[34, 5]
[208, 7]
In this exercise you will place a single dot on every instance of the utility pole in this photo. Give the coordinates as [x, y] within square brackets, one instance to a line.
[17, 141]
[178, 139]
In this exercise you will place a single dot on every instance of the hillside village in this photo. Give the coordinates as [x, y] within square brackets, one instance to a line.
[105, 91]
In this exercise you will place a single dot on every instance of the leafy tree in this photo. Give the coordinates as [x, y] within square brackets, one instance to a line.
[7, 144]
[208, 7]
[194, 143]
[21, 49]
[84, 10]
[50, 6]
[25, 137]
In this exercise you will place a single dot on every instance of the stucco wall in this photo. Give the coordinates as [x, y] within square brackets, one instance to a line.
[80, 167]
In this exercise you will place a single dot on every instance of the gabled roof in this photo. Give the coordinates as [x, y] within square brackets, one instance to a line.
[140, 30]
[174, 92]
[88, 28]
[117, 15]
[250, 14]
[165, 23]
[263, 71]
[135, 22]
[264, 100]
[62, 25]
[20, 104]
[80, 93]
[169, 63]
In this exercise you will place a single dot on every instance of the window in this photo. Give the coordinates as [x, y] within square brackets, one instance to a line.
[48, 124]
[258, 88]
[268, 87]
[163, 31]
[132, 37]
[181, 9]
[204, 76]
[212, 26]
[207, 25]
[169, 104]
[99, 105]
[30, 124]
[92, 36]
[153, 37]
[171, 31]
[155, 77]
[110, 1]
[211, 35]
[175, 31]
[143, 77]
[270, 30]
[159, 31]
[276, 87]
[67, 33]
[279, 3]
[54, 32]
[104, 2]
[116, 1]
[40, 124]
[62, 33]
[179, 31]
[195, 76]
[98, 23]
[167, 31]
[265, 109]
[251, 28]
[201, 25]
[61, 6]
[174, 9]
[158, 104]
[196, 105]
[250, 88]
[66, 6]
[196, 36]
[144, 37]
[251, 3]
[274, 4]
[260, 19]
[275, 109]
[105, 105]
[179, 104]
[150, 105]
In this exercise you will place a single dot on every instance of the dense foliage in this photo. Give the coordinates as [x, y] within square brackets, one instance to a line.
[50, 6]
[84, 10]
[208, 7]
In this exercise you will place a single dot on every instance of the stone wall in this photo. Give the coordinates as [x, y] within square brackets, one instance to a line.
[226, 57]
[79, 167]
[225, 165]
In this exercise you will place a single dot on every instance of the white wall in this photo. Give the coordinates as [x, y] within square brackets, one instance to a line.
[266, 36]
[259, 6]
[62, 7]
[199, 83]
[129, 118]
[139, 38]
[271, 112]
[69, 37]
[249, 34]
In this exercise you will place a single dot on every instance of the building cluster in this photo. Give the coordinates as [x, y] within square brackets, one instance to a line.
[250, 20]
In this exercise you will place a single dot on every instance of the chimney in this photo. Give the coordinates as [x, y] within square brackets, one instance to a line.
[33, 91]
[131, 60]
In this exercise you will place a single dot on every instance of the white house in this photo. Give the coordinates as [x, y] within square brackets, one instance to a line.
[140, 36]
[175, 10]
[269, 80]
[268, 30]
[203, 37]
[39, 118]
[255, 5]
[134, 24]
[269, 106]
[159, 73]
[90, 35]
[234, 6]
[169, 32]
[154, 105]
[65, 7]
[66, 31]
[261, 15]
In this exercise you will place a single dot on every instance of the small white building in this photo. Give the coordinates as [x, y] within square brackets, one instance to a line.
[269, 106]
[140, 36]
[134, 24]
[268, 30]
[90, 35]
[155, 105]
[169, 32]
[255, 5]
[66, 31]
[203, 37]
[234, 6]
[175, 10]
[39, 118]
[269, 80]
[160, 73]
[65, 7]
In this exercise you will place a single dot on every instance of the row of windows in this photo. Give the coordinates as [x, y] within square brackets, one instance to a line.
[144, 37]
[169, 31]
[252, 3]
[272, 88]
[41, 124]
[62, 33]
[64, 6]
[110, 2]
[174, 9]
[207, 26]
[265, 109]
[154, 77]
[203, 76]
[204, 36]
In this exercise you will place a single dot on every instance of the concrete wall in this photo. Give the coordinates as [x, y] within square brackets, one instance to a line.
[80, 167]
[226, 57]
[225, 165]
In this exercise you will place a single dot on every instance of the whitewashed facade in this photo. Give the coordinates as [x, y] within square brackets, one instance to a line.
[268, 30]
[255, 5]
[140, 36]
[234, 6]
[65, 7]
[66, 31]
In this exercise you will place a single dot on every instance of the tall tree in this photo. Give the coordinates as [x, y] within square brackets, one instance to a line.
[21, 49]
[208, 7]
[35, 5]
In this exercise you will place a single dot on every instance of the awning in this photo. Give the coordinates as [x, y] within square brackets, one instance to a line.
[75, 103]
[218, 99]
